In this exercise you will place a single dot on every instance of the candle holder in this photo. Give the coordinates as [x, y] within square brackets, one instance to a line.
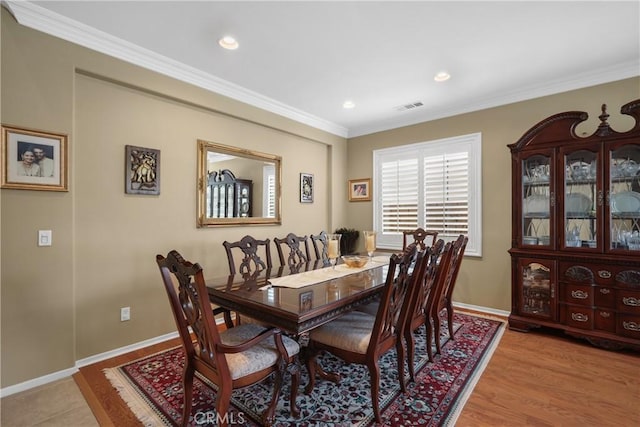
[369, 242]
[333, 248]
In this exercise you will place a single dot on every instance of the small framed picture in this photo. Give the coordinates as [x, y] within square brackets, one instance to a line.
[306, 188]
[306, 301]
[360, 190]
[34, 160]
[142, 170]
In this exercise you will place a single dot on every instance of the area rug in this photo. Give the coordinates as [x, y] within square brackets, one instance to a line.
[152, 386]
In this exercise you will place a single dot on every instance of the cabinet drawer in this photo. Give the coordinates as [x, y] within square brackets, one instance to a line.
[578, 294]
[577, 316]
[628, 325]
[604, 296]
[605, 320]
[628, 301]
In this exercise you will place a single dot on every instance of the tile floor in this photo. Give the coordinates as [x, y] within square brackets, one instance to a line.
[59, 403]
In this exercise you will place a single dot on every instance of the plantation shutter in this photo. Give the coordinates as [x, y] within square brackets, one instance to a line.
[446, 193]
[269, 193]
[399, 195]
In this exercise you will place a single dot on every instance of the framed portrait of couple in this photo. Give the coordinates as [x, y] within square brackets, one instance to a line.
[34, 160]
[360, 190]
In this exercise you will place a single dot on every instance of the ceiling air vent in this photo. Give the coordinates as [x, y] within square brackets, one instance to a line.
[410, 106]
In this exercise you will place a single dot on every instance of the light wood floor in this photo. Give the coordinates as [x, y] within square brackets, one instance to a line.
[533, 379]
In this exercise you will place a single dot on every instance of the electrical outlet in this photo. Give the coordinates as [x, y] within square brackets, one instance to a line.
[125, 314]
[44, 237]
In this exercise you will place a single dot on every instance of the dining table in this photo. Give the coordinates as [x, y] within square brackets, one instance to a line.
[298, 298]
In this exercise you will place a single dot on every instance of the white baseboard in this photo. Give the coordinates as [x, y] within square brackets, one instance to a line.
[17, 388]
[46, 379]
[486, 310]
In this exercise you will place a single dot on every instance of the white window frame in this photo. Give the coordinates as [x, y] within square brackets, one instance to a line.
[472, 144]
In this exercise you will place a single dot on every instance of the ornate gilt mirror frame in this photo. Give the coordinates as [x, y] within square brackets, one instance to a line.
[261, 171]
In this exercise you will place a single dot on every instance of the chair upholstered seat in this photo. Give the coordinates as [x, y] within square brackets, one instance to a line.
[351, 332]
[256, 358]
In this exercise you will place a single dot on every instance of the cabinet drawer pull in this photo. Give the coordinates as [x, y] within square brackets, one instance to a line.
[605, 314]
[631, 326]
[579, 294]
[631, 301]
[579, 317]
[604, 274]
[605, 291]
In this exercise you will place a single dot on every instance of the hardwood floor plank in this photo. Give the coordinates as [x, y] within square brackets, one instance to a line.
[540, 379]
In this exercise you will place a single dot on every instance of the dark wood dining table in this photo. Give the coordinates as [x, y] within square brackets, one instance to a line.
[296, 310]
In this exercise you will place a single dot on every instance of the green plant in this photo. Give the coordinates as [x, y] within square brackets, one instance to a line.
[348, 240]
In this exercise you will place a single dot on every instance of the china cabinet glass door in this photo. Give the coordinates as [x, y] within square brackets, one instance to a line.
[624, 197]
[537, 288]
[583, 199]
[537, 200]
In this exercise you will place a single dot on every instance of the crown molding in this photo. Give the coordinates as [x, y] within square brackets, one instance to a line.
[46, 21]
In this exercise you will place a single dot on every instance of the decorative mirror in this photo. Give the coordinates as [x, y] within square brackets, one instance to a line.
[237, 186]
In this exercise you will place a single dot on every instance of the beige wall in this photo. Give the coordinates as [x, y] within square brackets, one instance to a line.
[61, 304]
[486, 281]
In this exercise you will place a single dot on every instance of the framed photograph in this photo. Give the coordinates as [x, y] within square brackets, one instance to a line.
[360, 190]
[142, 170]
[306, 301]
[306, 188]
[34, 160]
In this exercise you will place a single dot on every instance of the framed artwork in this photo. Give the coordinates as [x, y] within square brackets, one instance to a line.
[306, 301]
[34, 160]
[142, 170]
[306, 188]
[360, 190]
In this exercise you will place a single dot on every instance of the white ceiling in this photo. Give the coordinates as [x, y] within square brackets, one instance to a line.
[304, 59]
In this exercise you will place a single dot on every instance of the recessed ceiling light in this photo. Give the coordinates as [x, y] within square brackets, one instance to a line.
[348, 104]
[228, 42]
[442, 76]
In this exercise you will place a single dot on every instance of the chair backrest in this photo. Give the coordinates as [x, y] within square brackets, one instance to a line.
[298, 250]
[251, 261]
[417, 307]
[457, 253]
[404, 269]
[436, 292]
[418, 237]
[320, 246]
[191, 309]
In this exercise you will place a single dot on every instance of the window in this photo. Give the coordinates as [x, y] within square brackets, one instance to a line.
[435, 185]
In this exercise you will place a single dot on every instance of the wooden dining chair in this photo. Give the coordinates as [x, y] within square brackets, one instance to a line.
[320, 246]
[360, 338]
[234, 358]
[251, 249]
[294, 248]
[444, 299]
[417, 312]
[418, 236]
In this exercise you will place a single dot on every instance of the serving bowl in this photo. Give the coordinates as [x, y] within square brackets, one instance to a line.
[355, 261]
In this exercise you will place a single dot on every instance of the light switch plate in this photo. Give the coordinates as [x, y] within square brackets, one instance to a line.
[44, 237]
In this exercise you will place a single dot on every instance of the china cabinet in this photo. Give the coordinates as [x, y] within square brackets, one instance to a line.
[575, 250]
[228, 196]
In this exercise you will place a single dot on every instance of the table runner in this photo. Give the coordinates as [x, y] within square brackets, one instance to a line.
[307, 278]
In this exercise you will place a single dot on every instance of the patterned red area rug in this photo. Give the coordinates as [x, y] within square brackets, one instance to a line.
[152, 387]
